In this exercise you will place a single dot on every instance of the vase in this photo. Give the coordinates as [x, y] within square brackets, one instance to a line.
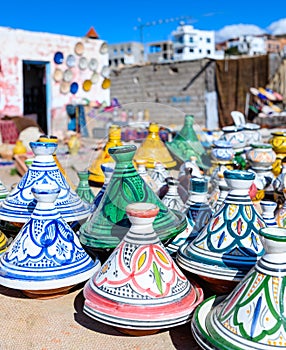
[222, 151]
[252, 315]
[279, 184]
[251, 133]
[268, 212]
[45, 259]
[153, 150]
[19, 148]
[235, 136]
[278, 141]
[186, 144]
[172, 198]
[96, 176]
[74, 144]
[261, 156]
[109, 223]
[139, 289]
[142, 171]
[107, 169]
[20, 203]
[83, 189]
[229, 246]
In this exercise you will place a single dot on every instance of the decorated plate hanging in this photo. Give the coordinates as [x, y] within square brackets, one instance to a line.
[68, 75]
[71, 61]
[64, 87]
[79, 48]
[87, 84]
[58, 57]
[83, 63]
[58, 75]
[74, 87]
[93, 64]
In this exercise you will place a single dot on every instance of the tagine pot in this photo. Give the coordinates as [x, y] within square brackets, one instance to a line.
[45, 260]
[261, 156]
[140, 290]
[109, 223]
[186, 144]
[107, 169]
[153, 149]
[19, 205]
[252, 315]
[222, 151]
[83, 189]
[229, 246]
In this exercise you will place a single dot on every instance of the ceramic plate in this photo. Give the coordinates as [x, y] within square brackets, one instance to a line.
[103, 48]
[58, 57]
[67, 75]
[87, 85]
[94, 78]
[58, 75]
[106, 83]
[74, 88]
[79, 48]
[65, 87]
[92, 65]
[71, 61]
[83, 63]
[105, 72]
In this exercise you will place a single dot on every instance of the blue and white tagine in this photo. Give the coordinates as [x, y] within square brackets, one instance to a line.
[20, 203]
[46, 257]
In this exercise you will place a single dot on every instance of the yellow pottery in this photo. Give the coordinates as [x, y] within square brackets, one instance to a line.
[19, 148]
[3, 242]
[278, 142]
[114, 140]
[154, 150]
[74, 144]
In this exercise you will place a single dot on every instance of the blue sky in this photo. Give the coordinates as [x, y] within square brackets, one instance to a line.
[115, 21]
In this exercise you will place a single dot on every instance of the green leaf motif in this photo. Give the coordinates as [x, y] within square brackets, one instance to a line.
[157, 277]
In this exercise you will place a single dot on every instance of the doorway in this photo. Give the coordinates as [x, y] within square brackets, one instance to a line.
[35, 91]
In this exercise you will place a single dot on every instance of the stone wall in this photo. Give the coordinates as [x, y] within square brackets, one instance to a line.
[167, 90]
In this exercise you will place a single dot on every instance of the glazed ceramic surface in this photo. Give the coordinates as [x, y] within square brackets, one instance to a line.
[142, 171]
[229, 245]
[107, 169]
[261, 155]
[268, 212]
[19, 205]
[3, 242]
[140, 286]
[46, 254]
[186, 144]
[172, 198]
[109, 223]
[278, 141]
[235, 136]
[252, 133]
[83, 189]
[114, 140]
[222, 151]
[3, 191]
[252, 316]
[153, 149]
[159, 174]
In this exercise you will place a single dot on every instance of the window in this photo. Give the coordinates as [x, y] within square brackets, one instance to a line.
[208, 52]
[122, 51]
[115, 51]
[179, 51]
[180, 39]
[200, 50]
[191, 39]
[128, 49]
[191, 50]
[208, 40]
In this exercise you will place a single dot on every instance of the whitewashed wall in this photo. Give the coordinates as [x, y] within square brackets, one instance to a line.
[19, 45]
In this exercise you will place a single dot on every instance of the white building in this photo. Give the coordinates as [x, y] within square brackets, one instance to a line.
[191, 44]
[126, 54]
[249, 44]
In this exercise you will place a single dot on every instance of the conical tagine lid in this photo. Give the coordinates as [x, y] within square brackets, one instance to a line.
[109, 223]
[140, 286]
[20, 203]
[230, 245]
[153, 150]
[186, 144]
[253, 315]
[46, 253]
